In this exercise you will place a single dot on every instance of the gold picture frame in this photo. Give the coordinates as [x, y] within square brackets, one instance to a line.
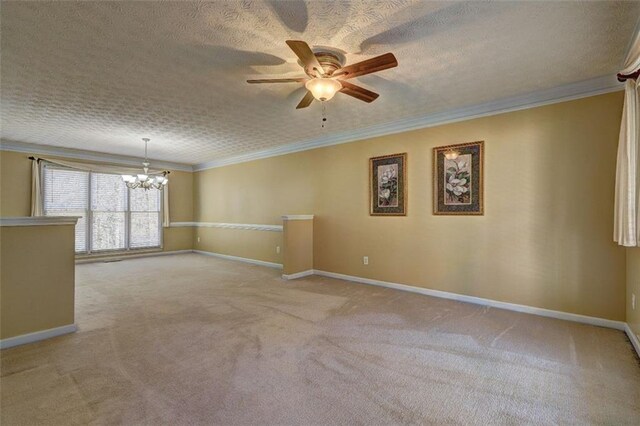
[458, 181]
[388, 185]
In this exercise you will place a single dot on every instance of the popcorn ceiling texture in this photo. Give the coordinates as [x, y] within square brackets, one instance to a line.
[101, 75]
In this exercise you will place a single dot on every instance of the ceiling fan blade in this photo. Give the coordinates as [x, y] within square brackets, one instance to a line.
[358, 92]
[369, 66]
[303, 51]
[277, 80]
[306, 101]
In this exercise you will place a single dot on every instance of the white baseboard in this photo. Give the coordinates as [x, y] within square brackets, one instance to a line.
[634, 339]
[298, 275]
[601, 322]
[124, 256]
[37, 336]
[240, 259]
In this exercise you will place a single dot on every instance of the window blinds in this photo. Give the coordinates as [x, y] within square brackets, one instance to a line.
[113, 217]
[66, 193]
[145, 218]
[108, 212]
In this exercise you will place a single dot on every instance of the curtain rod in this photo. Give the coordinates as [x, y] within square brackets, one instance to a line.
[32, 158]
[625, 77]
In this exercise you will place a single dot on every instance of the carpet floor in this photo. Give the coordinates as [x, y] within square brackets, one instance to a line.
[193, 339]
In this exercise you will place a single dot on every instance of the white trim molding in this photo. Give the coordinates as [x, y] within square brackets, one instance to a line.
[298, 275]
[240, 259]
[601, 322]
[80, 154]
[182, 224]
[568, 92]
[244, 226]
[39, 220]
[634, 339]
[126, 255]
[36, 336]
[298, 217]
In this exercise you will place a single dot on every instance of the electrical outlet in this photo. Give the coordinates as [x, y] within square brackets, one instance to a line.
[278, 249]
[198, 239]
[365, 260]
[633, 301]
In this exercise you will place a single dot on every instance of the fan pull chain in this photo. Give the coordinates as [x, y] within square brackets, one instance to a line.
[324, 114]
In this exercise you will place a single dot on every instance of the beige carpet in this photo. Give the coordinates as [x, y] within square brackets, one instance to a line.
[192, 339]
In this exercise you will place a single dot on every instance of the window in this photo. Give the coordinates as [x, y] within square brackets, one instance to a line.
[113, 217]
[108, 212]
[66, 193]
[144, 218]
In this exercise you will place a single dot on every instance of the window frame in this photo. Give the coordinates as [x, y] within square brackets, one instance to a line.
[127, 214]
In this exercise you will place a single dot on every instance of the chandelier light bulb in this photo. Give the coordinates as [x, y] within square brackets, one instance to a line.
[323, 89]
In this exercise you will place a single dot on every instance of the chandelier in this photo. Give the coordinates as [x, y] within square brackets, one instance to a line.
[146, 180]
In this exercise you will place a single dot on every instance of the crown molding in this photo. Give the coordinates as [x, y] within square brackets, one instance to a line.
[79, 154]
[568, 92]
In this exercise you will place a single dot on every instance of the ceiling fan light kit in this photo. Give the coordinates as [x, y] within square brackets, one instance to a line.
[327, 74]
[323, 88]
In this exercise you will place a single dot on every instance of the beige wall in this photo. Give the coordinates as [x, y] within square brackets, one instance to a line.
[633, 287]
[258, 245]
[180, 210]
[37, 275]
[15, 184]
[298, 246]
[545, 239]
[15, 197]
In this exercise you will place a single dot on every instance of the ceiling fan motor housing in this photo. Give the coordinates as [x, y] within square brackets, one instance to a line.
[327, 74]
[330, 63]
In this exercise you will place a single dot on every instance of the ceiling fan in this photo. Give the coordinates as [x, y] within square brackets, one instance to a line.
[327, 74]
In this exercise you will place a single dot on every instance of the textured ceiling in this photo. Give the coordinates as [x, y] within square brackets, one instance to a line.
[101, 75]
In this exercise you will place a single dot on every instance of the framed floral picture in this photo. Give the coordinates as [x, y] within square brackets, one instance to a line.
[458, 179]
[388, 185]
